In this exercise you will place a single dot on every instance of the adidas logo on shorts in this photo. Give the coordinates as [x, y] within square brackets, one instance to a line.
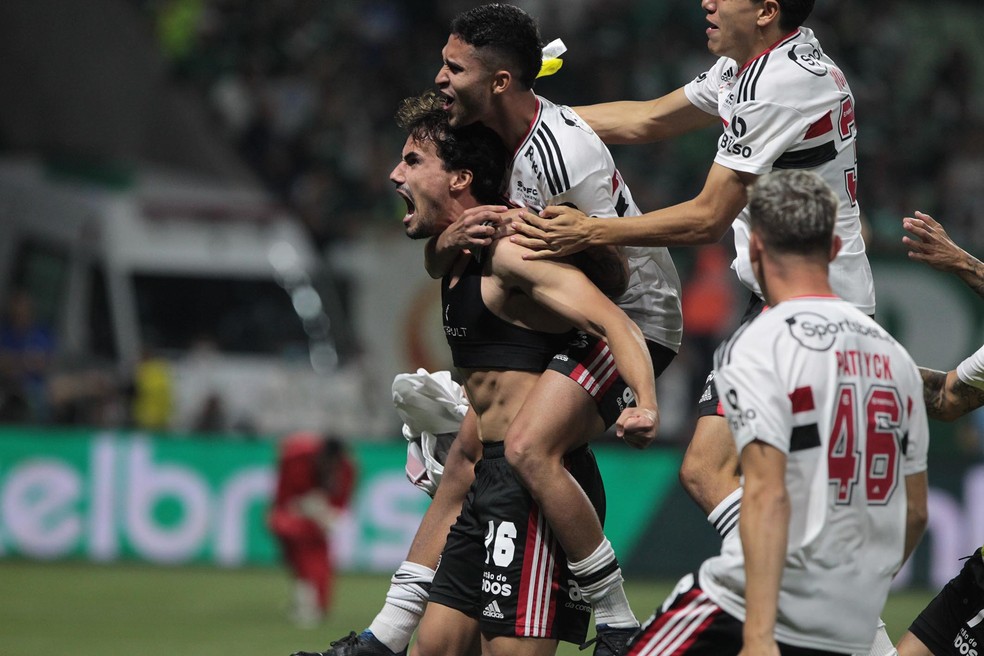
[492, 610]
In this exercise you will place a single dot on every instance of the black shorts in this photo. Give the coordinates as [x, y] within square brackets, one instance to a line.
[709, 405]
[953, 622]
[501, 564]
[588, 361]
[690, 623]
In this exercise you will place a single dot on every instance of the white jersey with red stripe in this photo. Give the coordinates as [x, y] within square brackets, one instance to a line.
[817, 379]
[791, 108]
[561, 161]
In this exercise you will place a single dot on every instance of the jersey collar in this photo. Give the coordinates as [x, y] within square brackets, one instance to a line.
[781, 42]
[529, 130]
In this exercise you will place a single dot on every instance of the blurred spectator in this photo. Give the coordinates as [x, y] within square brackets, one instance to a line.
[152, 393]
[315, 480]
[26, 351]
[211, 417]
[708, 307]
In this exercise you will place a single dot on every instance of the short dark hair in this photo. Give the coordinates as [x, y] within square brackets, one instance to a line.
[794, 13]
[793, 211]
[505, 36]
[474, 147]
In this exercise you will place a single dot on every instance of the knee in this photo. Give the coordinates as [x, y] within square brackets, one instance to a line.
[423, 647]
[523, 456]
[689, 476]
[711, 456]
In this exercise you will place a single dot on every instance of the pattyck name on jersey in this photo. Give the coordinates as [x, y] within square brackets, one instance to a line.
[855, 362]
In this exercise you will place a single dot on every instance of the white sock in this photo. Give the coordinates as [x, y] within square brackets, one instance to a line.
[600, 579]
[882, 646]
[724, 518]
[405, 603]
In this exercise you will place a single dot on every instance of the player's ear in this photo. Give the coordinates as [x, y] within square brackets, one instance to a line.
[754, 247]
[461, 180]
[501, 81]
[769, 13]
[835, 246]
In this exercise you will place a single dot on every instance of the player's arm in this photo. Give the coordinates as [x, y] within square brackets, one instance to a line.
[475, 228]
[566, 291]
[764, 526]
[947, 397]
[928, 242]
[633, 122]
[917, 510]
[701, 220]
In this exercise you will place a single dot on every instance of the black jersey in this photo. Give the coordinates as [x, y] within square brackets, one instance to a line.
[481, 340]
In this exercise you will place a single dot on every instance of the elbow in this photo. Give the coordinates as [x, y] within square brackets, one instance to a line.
[713, 224]
[712, 233]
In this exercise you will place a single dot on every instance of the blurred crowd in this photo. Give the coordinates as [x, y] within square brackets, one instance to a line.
[306, 91]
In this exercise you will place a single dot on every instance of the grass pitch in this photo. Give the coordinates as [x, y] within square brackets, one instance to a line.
[120, 610]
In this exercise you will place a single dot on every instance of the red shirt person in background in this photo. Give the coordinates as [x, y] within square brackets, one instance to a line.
[315, 480]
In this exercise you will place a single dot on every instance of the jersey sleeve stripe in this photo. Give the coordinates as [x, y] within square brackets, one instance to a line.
[558, 151]
[758, 74]
[808, 158]
[552, 182]
[804, 437]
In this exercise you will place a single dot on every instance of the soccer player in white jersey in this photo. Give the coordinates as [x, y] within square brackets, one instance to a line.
[489, 66]
[827, 414]
[953, 622]
[783, 104]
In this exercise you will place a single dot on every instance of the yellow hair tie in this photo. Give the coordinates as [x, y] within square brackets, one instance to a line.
[551, 58]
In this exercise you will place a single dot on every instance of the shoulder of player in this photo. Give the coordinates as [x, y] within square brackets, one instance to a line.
[789, 74]
[748, 340]
[560, 129]
[508, 265]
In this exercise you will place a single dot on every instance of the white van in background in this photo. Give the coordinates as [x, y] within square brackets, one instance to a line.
[217, 279]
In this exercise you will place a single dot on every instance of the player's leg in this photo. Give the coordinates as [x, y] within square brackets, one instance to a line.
[408, 594]
[312, 569]
[511, 646]
[558, 416]
[688, 623]
[528, 599]
[575, 400]
[710, 468]
[446, 631]
[910, 645]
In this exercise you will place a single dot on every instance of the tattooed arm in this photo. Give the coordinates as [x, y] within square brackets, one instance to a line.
[928, 242]
[947, 397]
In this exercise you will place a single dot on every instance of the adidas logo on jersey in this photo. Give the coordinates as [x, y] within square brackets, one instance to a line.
[492, 610]
[708, 387]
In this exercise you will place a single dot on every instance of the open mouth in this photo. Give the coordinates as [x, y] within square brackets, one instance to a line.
[448, 101]
[411, 206]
